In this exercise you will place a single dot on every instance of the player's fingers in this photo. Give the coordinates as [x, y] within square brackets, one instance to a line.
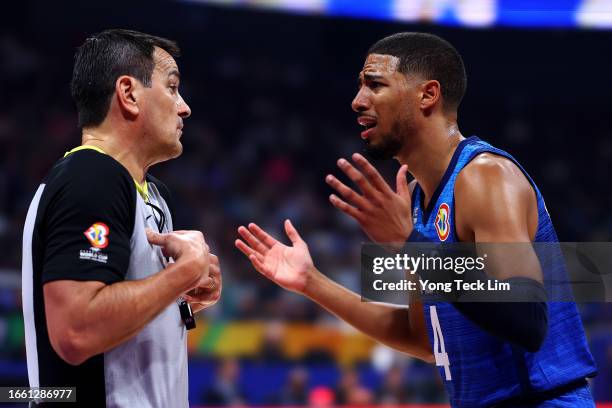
[402, 183]
[346, 191]
[247, 250]
[262, 235]
[253, 242]
[244, 248]
[371, 173]
[259, 266]
[292, 233]
[356, 176]
[345, 207]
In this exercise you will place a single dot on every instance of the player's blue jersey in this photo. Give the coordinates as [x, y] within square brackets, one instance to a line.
[479, 369]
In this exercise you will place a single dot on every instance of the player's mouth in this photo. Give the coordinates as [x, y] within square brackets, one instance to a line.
[369, 123]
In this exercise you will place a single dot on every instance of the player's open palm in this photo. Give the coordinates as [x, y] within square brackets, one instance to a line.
[288, 266]
[383, 214]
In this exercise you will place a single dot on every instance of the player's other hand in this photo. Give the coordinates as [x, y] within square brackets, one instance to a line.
[207, 291]
[289, 266]
[382, 213]
[185, 247]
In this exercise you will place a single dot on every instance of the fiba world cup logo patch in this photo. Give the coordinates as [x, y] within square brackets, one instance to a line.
[97, 235]
[442, 222]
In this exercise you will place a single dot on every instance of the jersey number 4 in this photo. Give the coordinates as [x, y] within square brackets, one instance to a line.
[438, 348]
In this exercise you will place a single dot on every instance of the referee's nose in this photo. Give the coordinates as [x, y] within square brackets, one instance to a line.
[184, 111]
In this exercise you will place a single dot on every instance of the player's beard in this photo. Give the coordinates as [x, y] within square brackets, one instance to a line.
[388, 147]
[392, 143]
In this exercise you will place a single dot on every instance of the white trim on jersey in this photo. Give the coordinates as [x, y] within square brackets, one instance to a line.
[27, 290]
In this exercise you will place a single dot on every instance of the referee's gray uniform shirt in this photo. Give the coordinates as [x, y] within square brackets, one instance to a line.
[87, 222]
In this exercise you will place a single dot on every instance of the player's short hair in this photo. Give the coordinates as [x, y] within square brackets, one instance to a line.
[102, 59]
[430, 56]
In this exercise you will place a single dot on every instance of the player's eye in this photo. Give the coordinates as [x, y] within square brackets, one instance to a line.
[173, 88]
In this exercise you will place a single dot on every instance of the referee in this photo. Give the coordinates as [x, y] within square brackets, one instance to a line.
[105, 308]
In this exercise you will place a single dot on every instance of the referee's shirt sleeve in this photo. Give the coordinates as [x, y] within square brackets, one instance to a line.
[89, 221]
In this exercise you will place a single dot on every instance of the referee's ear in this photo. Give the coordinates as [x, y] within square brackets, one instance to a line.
[126, 89]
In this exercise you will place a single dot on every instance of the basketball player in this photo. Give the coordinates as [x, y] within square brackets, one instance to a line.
[532, 353]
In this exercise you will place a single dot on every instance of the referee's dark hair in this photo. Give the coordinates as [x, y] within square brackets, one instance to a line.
[430, 56]
[102, 59]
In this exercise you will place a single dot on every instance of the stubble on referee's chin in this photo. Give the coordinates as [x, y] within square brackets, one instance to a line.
[171, 152]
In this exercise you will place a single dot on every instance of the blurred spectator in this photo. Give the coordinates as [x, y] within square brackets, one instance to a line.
[226, 391]
[272, 349]
[295, 392]
[393, 390]
[347, 386]
[359, 396]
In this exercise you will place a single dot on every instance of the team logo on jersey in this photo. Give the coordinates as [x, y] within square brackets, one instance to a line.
[442, 222]
[97, 235]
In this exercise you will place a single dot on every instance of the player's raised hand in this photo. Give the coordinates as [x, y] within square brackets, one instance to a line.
[288, 266]
[382, 213]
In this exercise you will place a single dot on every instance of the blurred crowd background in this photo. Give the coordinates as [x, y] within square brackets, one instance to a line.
[270, 95]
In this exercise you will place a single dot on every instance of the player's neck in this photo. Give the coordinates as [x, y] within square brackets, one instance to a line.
[429, 154]
[125, 150]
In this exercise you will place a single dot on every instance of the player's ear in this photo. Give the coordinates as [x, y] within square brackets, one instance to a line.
[431, 94]
[126, 91]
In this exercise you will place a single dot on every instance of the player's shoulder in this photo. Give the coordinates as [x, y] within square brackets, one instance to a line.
[490, 187]
[489, 171]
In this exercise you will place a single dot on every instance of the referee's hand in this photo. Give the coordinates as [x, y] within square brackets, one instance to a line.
[184, 247]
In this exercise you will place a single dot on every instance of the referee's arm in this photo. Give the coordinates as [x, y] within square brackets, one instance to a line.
[89, 305]
[89, 318]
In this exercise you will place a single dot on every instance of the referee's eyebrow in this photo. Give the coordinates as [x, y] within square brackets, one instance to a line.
[174, 72]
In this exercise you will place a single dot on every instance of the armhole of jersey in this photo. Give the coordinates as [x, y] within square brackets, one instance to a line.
[499, 153]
